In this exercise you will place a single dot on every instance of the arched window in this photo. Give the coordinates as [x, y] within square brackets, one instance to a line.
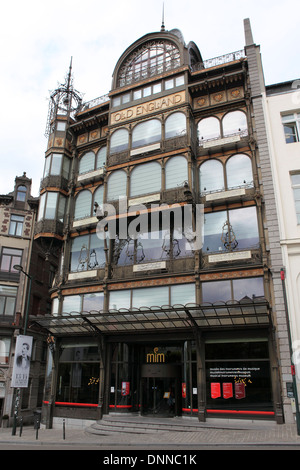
[146, 133]
[151, 59]
[176, 172]
[209, 128]
[83, 205]
[145, 178]
[21, 193]
[87, 163]
[119, 141]
[234, 122]
[101, 158]
[211, 176]
[239, 171]
[175, 125]
[116, 185]
[98, 195]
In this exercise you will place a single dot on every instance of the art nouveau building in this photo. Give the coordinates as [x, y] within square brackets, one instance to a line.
[144, 313]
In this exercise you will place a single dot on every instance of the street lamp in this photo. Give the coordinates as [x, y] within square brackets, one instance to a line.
[19, 268]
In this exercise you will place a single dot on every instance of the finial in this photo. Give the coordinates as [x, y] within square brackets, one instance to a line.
[163, 19]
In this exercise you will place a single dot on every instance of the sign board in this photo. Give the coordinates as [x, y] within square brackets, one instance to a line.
[22, 358]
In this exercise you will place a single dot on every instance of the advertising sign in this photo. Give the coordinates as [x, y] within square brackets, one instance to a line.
[21, 367]
[125, 389]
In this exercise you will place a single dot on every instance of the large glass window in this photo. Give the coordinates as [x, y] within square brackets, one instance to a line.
[145, 178]
[116, 185]
[83, 205]
[209, 128]
[10, 257]
[239, 171]
[8, 297]
[78, 373]
[236, 289]
[234, 122]
[146, 133]
[175, 125]
[87, 163]
[291, 127]
[21, 193]
[119, 141]
[87, 252]
[176, 171]
[296, 190]
[235, 229]
[52, 206]
[238, 376]
[57, 164]
[211, 176]
[16, 225]
[74, 304]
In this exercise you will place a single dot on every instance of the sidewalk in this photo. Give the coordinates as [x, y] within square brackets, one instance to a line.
[255, 435]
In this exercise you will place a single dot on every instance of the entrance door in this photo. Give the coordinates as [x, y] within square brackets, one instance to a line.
[160, 396]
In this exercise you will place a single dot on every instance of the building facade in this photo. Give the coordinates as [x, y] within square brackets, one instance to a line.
[168, 292]
[283, 118]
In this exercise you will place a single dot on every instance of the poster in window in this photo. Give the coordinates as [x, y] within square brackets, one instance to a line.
[227, 390]
[125, 389]
[183, 390]
[21, 366]
[215, 390]
[239, 390]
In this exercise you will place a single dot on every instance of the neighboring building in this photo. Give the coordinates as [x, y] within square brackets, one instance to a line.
[18, 211]
[283, 114]
[139, 319]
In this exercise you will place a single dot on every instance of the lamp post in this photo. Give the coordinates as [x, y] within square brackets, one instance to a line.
[19, 268]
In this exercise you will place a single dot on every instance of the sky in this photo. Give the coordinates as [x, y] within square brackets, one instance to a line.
[39, 38]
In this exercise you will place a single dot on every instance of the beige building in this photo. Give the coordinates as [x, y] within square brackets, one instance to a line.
[283, 116]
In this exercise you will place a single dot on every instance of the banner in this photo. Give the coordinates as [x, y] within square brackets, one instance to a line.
[21, 367]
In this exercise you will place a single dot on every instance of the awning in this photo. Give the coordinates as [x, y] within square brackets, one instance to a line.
[246, 313]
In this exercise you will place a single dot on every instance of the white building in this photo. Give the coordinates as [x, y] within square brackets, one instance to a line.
[283, 116]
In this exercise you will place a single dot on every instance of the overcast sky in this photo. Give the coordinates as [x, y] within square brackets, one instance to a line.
[39, 38]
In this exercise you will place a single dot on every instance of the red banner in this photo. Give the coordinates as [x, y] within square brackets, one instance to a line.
[183, 390]
[227, 390]
[125, 388]
[239, 390]
[215, 390]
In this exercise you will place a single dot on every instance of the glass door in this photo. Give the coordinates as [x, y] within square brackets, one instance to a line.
[158, 396]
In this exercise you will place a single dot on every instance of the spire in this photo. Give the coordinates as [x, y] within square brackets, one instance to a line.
[163, 19]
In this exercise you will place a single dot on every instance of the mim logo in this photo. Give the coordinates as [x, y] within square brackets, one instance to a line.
[155, 357]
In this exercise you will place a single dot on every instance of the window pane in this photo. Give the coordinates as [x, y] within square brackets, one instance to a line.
[96, 254]
[119, 141]
[56, 164]
[145, 178]
[216, 291]
[213, 227]
[47, 166]
[87, 163]
[244, 225]
[175, 125]
[183, 294]
[176, 172]
[234, 122]
[83, 205]
[150, 296]
[146, 133]
[66, 168]
[72, 304]
[21, 193]
[41, 206]
[150, 246]
[137, 94]
[79, 253]
[239, 171]
[116, 185]
[101, 158]
[295, 179]
[211, 176]
[61, 208]
[250, 288]
[290, 131]
[51, 205]
[119, 299]
[209, 128]
[98, 195]
[93, 301]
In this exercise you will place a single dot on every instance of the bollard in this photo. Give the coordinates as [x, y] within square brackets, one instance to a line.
[37, 433]
[64, 430]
